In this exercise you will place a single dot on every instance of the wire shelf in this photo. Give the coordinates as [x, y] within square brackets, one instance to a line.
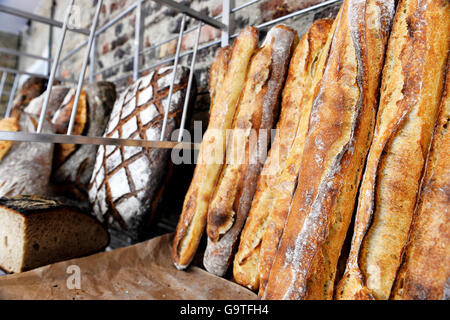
[222, 22]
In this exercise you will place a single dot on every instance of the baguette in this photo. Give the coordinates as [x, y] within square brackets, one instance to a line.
[411, 88]
[306, 64]
[425, 270]
[210, 160]
[255, 116]
[340, 131]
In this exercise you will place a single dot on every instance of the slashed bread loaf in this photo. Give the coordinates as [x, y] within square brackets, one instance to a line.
[256, 113]
[192, 222]
[31, 162]
[277, 179]
[339, 135]
[413, 78]
[37, 231]
[425, 270]
[72, 172]
[126, 180]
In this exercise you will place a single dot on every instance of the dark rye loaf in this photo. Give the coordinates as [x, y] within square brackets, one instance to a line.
[35, 232]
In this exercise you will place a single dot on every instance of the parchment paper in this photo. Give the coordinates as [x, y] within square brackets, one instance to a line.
[141, 271]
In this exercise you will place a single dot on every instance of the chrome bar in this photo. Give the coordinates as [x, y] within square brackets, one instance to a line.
[244, 5]
[100, 31]
[192, 13]
[83, 67]
[75, 139]
[35, 17]
[93, 61]
[225, 34]
[11, 96]
[174, 72]
[138, 36]
[189, 85]
[2, 82]
[54, 69]
[22, 54]
[38, 75]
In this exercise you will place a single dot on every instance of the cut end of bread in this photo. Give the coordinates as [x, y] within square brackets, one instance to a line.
[34, 234]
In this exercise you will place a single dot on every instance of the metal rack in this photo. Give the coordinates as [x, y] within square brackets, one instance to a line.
[224, 25]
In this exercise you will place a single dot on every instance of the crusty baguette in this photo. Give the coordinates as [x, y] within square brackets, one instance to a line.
[210, 160]
[217, 74]
[340, 131]
[411, 88]
[425, 270]
[255, 116]
[307, 63]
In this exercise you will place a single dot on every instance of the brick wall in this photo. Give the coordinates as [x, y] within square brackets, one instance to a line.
[160, 22]
[10, 41]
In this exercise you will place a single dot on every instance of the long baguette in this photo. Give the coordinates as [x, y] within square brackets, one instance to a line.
[411, 88]
[425, 270]
[340, 131]
[210, 160]
[307, 63]
[255, 116]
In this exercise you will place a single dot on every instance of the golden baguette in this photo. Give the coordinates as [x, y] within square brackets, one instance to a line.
[412, 85]
[425, 269]
[255, 116]
[210, 160]
[217, 73]
[307, 63]
[339, 135]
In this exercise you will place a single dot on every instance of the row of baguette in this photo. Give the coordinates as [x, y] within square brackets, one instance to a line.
[362, 136]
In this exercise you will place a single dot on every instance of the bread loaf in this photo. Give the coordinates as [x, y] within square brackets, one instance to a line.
[339, 135]
[37, 231]
[256, 113]
[126, 179]
[411, 89]
[306, 64]
[7, 124]
[212, 152]
[425, 269]
[61, 119]
[73, 171]
[31, 162]
[32, 88]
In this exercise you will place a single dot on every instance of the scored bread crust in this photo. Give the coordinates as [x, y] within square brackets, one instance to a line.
[257, 110]
[340, 131]
[192, 221]
[307, 61]
[425, 269]
[410, 92]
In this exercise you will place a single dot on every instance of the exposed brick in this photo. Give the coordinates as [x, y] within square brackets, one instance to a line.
[167, 49]
[113, 7]
[119, 41]
[105, 48]
[128, 66]
[207, 34]
[118, 28]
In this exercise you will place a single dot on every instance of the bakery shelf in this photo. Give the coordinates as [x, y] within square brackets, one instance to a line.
[223, 21]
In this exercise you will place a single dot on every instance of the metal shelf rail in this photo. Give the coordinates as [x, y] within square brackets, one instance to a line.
[225, 25]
